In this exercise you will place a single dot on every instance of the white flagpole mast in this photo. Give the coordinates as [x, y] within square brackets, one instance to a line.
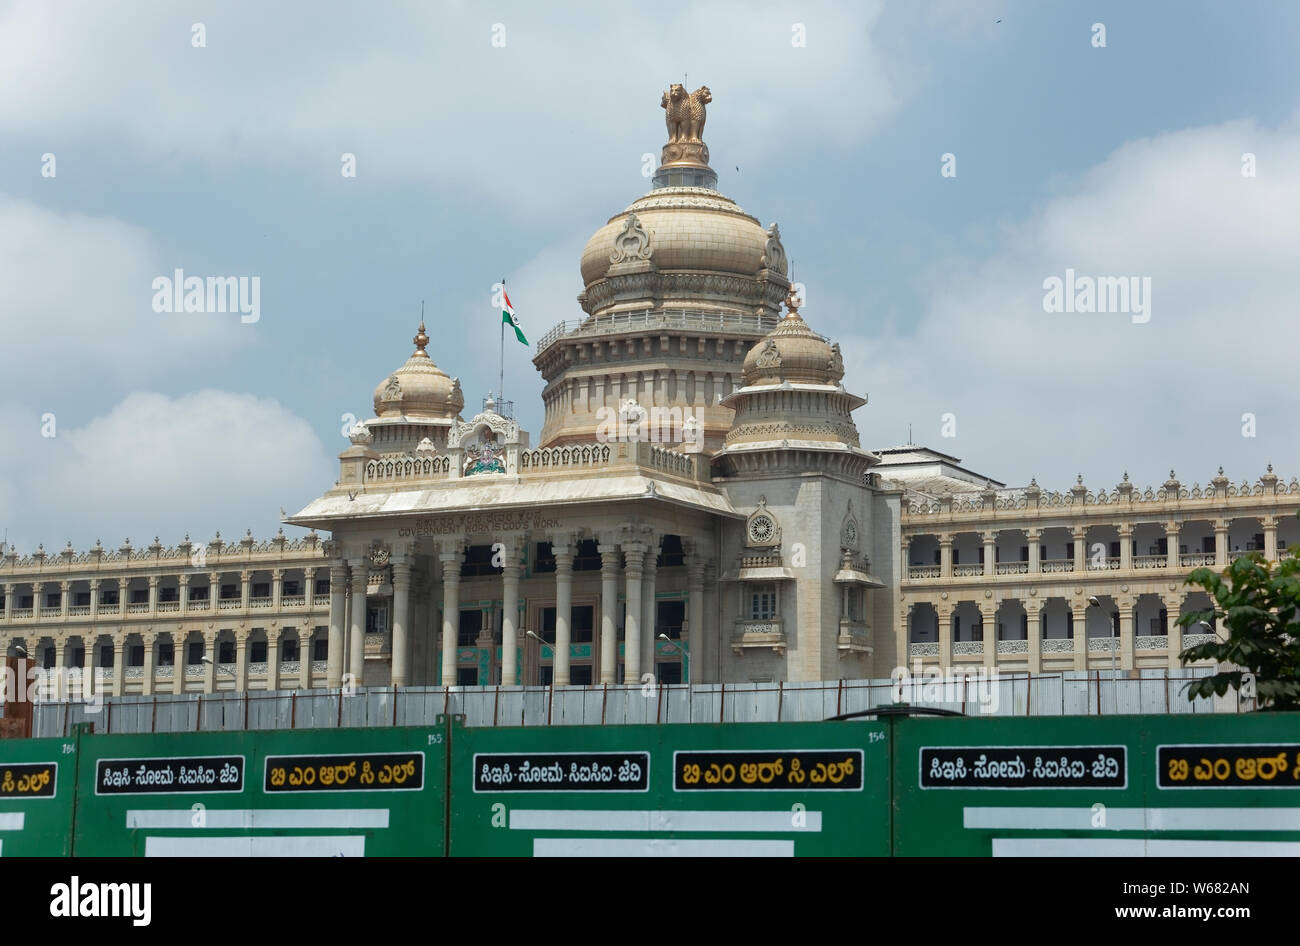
[501, 379]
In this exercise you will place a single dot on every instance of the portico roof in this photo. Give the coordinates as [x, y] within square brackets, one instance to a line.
[501, 491]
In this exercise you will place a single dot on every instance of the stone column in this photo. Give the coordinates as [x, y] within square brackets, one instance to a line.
[450, 558]
[634, 552]
[153, 595]
[1080, 611]
[357, 656]
[66, 586]
[245, 588]
[510, 572]
[990, 553]
[945, 554]
[1220, 543]
[241, 660]
[1269, 524]
[989, 622]
[401, 675]
[123, 599]
[119, 641]
[272, 658]
[1173, 603]
[60, 684]
[648, 606]
[277, 585]
[1126, 639]
[1034, 632]
[183, 580]
[179, 638]
[944, 611]
[562, 548]
[1171, 540]
[695, 616]
[94, 599]
[1080, 535]
[150, 640]
[214, 590]
[1125, 546]
[338, 619]
[609, 566]
[304, 656]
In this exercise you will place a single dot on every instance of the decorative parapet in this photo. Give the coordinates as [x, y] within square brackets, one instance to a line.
[402, 466]
[584, 456]
[980, 503]
[215, 555]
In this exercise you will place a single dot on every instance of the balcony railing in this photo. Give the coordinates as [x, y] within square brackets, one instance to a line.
[198, 604]
[320, 601]
[967, 648]
[292, 601]
[1152, 642]
[1104, 565]
[79, 610]
[1150, 561]
[1013, 647]
[1196, 559]
[1196, 640]
[1057, 645]
[923, 571]
[22, 613]
[168, 606]
[698, 319]
[1103, 645]
[1011, 568]
[139, 607]
[967, 571]
[260, 602]
[923, 649]
[1058, 565]
[229, 604]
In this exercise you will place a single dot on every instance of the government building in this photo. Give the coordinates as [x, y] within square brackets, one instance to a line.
[696, 507]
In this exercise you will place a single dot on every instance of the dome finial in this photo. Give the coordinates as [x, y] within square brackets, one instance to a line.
[684, 161]
[792, 303]
[421, 340]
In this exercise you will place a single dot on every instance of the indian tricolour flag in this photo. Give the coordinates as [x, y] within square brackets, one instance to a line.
[508, 317]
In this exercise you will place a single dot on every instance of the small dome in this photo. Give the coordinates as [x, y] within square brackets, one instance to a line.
[419, 388]
[793, 352]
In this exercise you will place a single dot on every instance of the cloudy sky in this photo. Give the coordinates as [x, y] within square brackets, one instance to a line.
[476, 160]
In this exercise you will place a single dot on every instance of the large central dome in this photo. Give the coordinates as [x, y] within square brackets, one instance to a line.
[677, 288]
[685, 230]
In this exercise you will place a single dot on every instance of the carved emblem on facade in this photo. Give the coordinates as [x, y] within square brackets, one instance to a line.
[484, 457]
[633, 243]
[774, 253]
[393, 389]
[836, 363]
[769, 357]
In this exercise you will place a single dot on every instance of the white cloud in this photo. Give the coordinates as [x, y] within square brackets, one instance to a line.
[158, 465]
[418, 92]
[1053, 395]
[77, 309]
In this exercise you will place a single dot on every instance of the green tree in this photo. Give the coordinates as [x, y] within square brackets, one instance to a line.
[1259, 604]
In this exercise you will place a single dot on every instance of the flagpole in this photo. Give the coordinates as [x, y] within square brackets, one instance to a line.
[501, 379]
